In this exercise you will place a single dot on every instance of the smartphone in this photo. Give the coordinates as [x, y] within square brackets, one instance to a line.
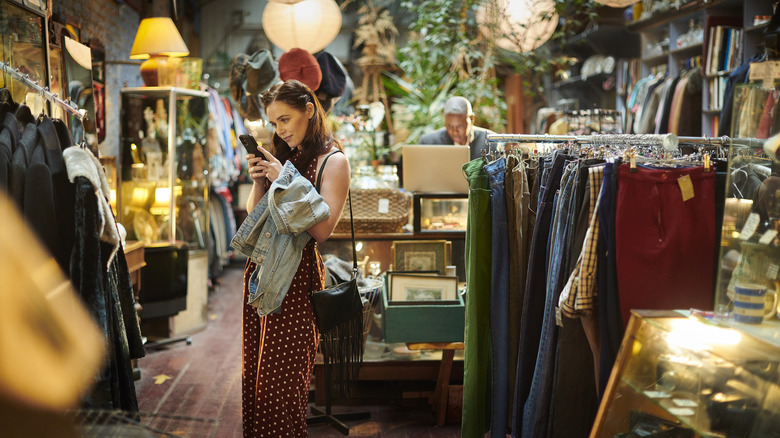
[251, 146]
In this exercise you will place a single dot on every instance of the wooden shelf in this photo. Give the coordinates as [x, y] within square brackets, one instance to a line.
[687, 49]
[675, 14]
[756, 27]
[656, 59]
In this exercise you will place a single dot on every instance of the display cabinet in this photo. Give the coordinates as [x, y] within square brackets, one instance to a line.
[163, 195]
[440, 212]
[689, 376]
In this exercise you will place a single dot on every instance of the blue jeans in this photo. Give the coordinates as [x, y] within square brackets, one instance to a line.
[534, 299]
[537, 406]
[499, 297]
[610, 319]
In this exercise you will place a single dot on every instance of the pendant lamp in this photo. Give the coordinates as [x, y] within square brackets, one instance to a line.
[309, 24]
[616, 3]
[518, 25]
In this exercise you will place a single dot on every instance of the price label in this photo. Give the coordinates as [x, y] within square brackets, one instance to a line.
[768, 237]
[383, 206]
[771, 272]
[686, 187]
[751, 225]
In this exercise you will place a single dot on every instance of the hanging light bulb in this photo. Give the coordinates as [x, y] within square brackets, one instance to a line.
[518, 25]
[309, 24]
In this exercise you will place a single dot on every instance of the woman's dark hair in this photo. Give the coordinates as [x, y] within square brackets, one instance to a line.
[318, 135]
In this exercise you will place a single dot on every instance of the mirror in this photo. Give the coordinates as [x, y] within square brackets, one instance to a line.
[23, 48]
[78, 78]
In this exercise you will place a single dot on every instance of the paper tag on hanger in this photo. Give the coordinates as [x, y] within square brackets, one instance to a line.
[750, 227]
[686, 187]
[767, 238]
[384, 206]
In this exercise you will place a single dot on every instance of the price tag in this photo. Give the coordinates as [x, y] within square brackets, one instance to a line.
[686, 187]
[751, 225]
[771, 272]
[767, 238]
[681, 412]
[383, 206]
[684, 402]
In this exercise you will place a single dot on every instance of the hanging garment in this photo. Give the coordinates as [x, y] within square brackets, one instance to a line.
[477, 359]
[664, 223]
[9, 136]
[537, 405]
[535, 286]
[499, 297]
[520, 176]
[738, 76]
[99, 279]
[610, 321]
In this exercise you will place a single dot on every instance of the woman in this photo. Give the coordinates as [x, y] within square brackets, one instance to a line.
[279, 348]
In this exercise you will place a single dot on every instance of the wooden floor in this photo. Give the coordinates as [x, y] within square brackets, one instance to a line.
[194, 390]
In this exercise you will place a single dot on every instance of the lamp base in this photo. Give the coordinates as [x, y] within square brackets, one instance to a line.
[159, 71]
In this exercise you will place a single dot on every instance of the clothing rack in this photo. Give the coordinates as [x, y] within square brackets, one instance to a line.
[69, 106]
[669, 142]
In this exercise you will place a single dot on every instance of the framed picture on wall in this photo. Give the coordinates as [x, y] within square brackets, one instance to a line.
[420, 255]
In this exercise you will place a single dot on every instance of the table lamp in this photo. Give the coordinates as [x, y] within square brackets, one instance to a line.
[156, 41]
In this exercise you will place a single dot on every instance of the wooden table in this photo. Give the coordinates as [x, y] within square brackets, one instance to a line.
[441, 394]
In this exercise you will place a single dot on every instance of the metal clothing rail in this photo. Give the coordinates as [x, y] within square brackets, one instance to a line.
[670, 142]
[43, 91]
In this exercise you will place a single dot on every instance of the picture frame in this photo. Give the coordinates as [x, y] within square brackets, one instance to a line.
[422, 288]
[420, 255]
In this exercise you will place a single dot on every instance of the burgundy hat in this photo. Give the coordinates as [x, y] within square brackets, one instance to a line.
[301, 65]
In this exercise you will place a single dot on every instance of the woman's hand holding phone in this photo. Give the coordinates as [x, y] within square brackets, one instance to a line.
[263, 166]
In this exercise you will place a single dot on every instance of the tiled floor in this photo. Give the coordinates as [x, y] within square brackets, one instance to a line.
[194, 390]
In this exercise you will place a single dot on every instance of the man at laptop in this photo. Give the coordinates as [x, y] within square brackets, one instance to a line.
[459, 128]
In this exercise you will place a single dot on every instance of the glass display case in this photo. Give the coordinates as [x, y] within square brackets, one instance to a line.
[686, 376]
[748, 283]
[440, 212]
[164, 165]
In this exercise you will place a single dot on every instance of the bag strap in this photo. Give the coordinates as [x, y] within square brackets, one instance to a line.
[351, 221]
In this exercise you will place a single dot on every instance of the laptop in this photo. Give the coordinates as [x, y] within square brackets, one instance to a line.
[435, 168]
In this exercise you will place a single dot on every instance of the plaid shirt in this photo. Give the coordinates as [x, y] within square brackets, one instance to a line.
[578, 296]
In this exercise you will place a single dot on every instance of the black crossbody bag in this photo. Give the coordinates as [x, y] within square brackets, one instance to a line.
[339, 313]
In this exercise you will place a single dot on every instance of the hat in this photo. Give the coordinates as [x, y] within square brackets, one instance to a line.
[300, 65]
[334, 78]
[261, 72]
[251, 76]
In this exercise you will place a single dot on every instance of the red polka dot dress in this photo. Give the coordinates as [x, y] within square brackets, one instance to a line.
[279, 351]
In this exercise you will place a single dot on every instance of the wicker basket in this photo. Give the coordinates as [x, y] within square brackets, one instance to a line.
[365, 211]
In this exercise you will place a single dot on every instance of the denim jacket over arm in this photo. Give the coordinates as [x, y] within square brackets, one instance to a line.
[274, 235]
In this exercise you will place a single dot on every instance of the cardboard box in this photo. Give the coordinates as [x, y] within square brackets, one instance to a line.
[434, 322]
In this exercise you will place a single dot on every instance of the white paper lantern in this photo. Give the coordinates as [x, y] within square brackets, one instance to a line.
[309, 24]
[518, 25]
[617, 3]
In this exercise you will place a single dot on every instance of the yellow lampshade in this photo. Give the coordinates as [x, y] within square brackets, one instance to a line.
[158, 36]
[309, 24]
[157, 40]
[518, 25]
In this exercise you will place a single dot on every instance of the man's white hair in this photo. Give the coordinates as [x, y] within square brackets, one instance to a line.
[457, 105]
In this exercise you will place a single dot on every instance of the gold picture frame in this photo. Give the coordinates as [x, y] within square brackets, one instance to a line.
[420, 255]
